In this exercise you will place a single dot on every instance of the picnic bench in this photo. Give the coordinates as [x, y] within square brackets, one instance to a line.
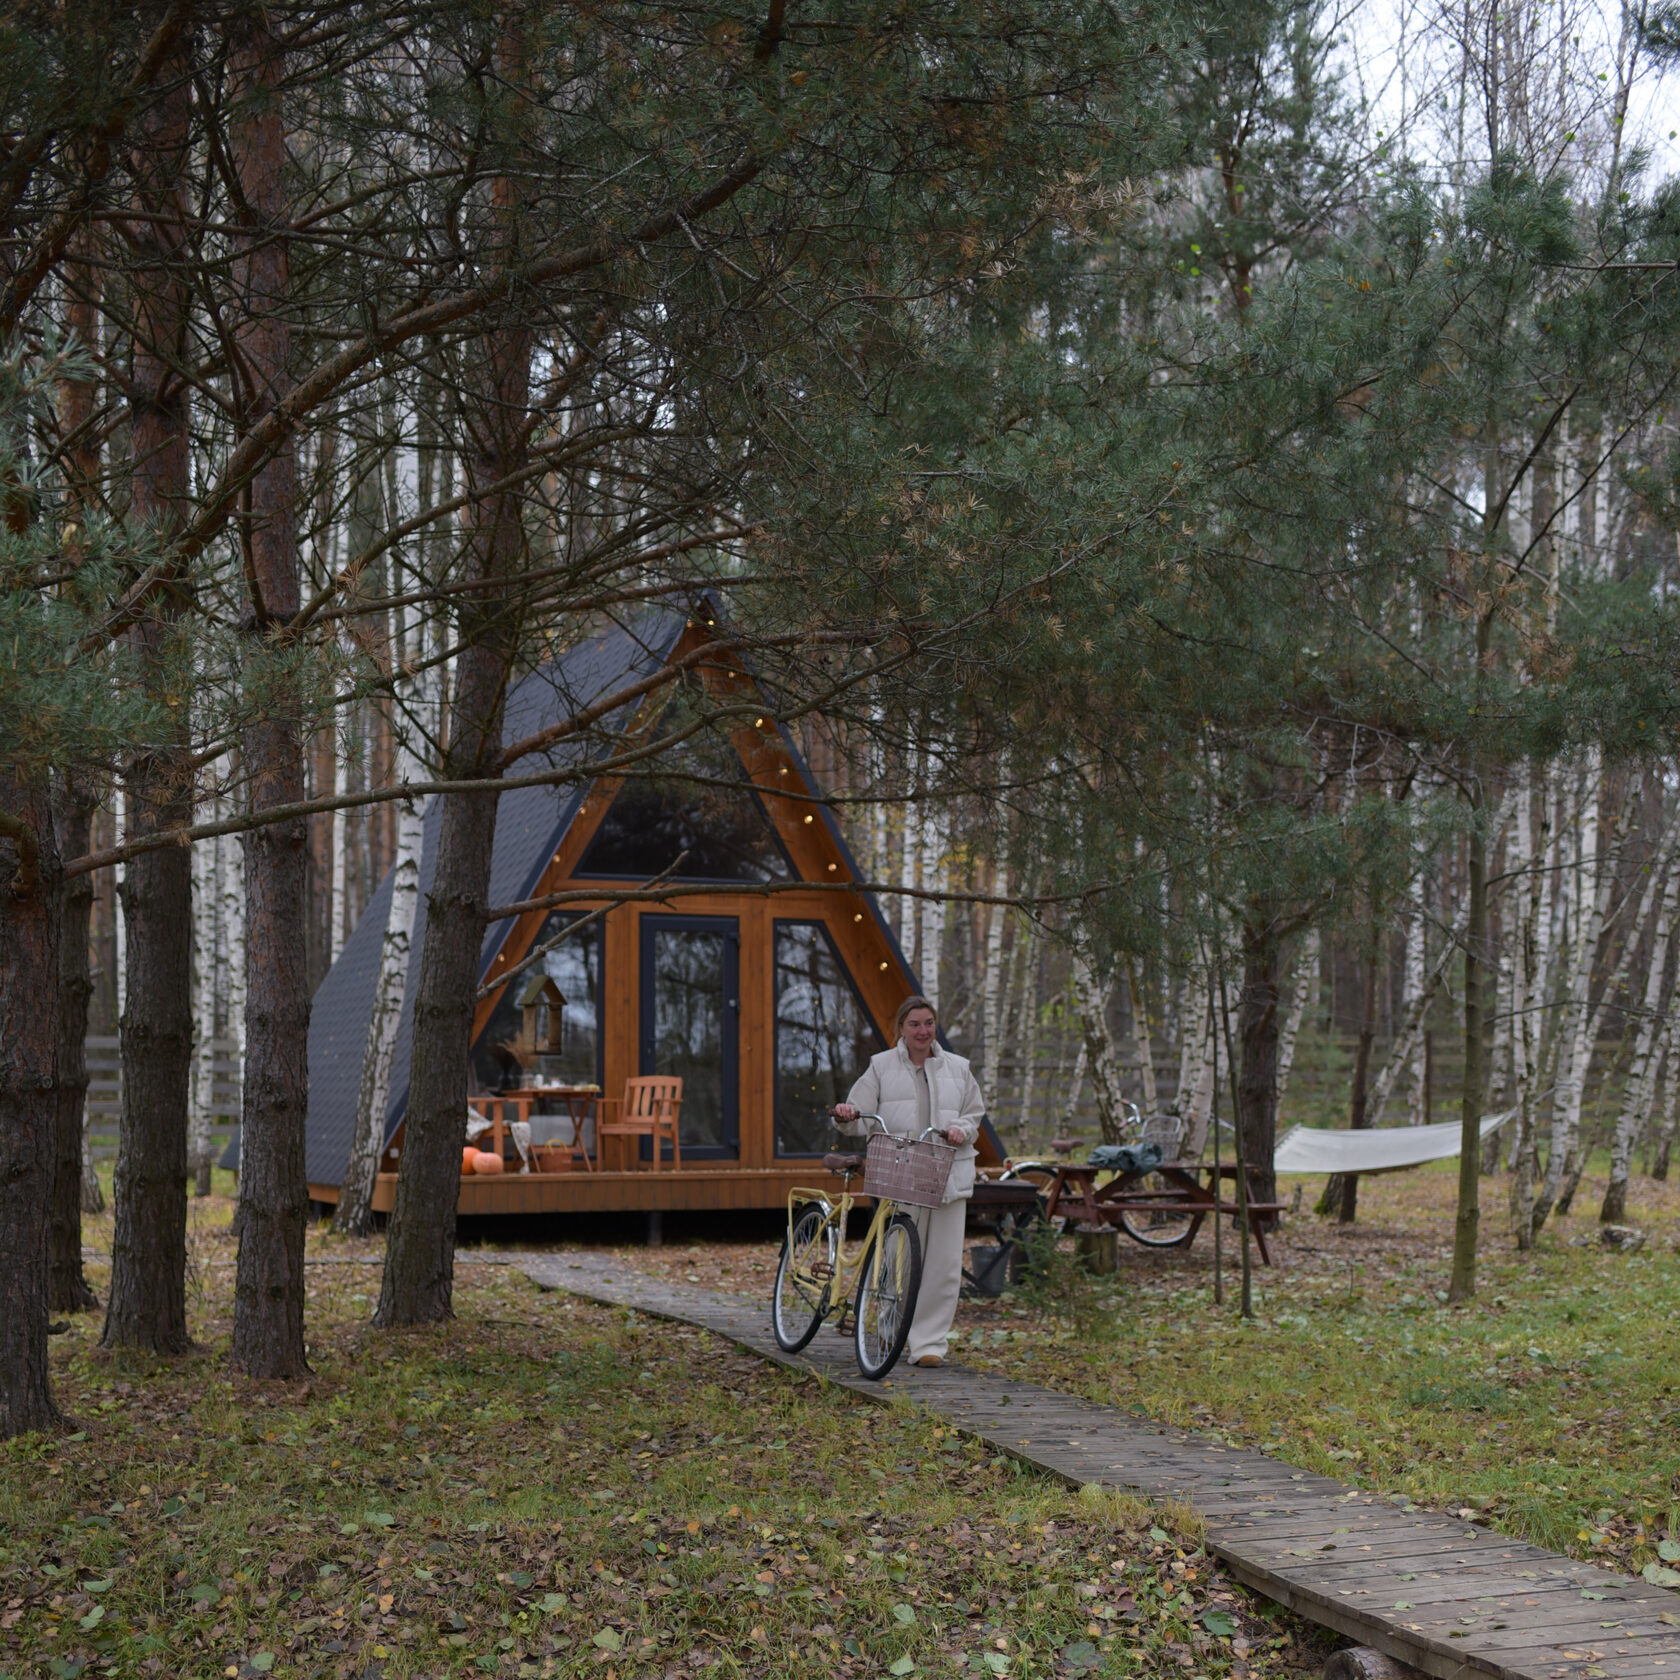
[1162, 1207]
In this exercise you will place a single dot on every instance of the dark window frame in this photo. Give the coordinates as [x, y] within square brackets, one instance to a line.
[866, 1014]
[600, 940]
[751, 789]
[730, 1084]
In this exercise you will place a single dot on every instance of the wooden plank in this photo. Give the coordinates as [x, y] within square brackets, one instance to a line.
[607, 1191]
[1473, 1600]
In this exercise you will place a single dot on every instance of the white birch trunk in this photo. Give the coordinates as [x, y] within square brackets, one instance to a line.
[1101, 1058]
[1409, 1039]
[930, 933]
[1198, 1116]
[1641, 1078]
[991, 997]
[1526, 980]
[205, 907]
[1027, 1023]
[1144, 1036]
[233, 929]
[1417, 932]
[1574, 1045]
[1300, 1001]
[1671, 1099]
[1192, 1047]
[354, 1215]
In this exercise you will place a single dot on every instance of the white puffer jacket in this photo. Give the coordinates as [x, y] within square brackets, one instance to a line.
[888, 1088]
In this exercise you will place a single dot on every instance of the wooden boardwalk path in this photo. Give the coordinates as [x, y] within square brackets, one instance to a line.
[1451, 1598]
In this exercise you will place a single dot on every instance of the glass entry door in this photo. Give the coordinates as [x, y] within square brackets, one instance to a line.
[691, 1025]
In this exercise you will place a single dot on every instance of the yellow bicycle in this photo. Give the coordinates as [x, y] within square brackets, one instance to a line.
[814, 1276]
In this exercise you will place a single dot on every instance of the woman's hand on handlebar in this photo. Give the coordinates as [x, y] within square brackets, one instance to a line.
[845, 1111]
[955, 1134]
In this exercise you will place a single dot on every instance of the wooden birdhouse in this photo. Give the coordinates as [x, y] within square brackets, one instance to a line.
[541, 1014]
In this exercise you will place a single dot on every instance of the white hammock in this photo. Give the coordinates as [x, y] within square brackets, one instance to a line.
[1305, 1149]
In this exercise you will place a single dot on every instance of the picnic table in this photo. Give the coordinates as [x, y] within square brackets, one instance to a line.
[1161, 1208]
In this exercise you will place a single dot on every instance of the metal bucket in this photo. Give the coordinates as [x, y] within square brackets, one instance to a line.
[992, 1268]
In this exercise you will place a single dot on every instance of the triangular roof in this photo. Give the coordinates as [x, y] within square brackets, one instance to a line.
[531, 825]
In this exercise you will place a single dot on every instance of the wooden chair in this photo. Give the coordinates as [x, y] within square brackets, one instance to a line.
[650, 1108]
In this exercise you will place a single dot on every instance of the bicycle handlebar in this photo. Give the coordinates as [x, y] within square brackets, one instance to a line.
[935, 1133]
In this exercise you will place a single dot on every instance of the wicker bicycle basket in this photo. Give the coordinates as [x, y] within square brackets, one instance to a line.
[905, 1170]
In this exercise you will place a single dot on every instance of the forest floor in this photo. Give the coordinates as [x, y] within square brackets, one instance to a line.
[1549, 1408]
[550, 1487]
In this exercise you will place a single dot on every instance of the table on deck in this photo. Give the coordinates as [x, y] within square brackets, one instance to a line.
[1182, 1195]
[579, 1099]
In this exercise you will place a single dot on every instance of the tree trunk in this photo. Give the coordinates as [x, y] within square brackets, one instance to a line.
[1526, 998]
[1467, 1226]
[354, 1215]
[74, 807]
[1193, 1016]
[1671, 1075]
[1575, 1033]
[199, 1150]
[991, 998]
[1358, 1118]
[273, 1195]
[31, 925]
[69, 1289]
[93, 1198]
[1100, 1057]
[1306, 982]
[1144, 1036]
[418, 1286]
[148, 1305]
[1259, 1024]
[1642, 1071]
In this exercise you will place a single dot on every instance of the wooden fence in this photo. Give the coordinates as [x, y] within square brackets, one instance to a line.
[105, 1082]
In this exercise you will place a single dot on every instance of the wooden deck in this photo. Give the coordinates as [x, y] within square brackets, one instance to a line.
[1450, 1597]
[726, 1187]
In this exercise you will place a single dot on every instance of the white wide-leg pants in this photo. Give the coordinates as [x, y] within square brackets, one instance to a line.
[941, 1231]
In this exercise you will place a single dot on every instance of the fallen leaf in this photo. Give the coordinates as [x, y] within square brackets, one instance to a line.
[609, 1639]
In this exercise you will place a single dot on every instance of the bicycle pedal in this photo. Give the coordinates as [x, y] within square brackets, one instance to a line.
[846, 1326]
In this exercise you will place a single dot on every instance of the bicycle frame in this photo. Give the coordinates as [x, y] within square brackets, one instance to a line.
[843, 1274]
[841, 1283]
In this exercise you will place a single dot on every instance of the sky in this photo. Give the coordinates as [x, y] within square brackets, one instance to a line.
[1401, 57]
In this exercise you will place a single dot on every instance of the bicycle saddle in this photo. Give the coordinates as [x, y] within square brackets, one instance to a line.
[842, 1163]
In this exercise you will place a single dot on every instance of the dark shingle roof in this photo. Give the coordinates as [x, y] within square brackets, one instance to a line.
[530, 824]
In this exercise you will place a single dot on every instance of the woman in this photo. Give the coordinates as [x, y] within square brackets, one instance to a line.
[913, 1086]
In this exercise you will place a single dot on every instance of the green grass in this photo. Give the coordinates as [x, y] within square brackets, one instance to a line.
[548, 1487]
[1550, 1407]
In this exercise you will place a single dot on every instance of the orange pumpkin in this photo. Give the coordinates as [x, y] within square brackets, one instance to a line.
[486, 1162]
[468, 1155]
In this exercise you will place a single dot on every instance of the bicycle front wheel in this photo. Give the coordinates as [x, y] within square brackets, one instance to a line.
[886, 1297]
[800, 1301]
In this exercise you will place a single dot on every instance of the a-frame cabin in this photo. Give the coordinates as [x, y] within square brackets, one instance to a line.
[765, 1003]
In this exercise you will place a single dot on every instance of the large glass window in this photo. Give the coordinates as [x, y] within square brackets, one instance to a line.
[691, 1012]
[823, 1037]
[512, 1051]
[695, 803]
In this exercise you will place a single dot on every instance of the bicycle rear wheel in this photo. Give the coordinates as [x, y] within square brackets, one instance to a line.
[800, 1300]
[1162, 1227]
[886, 1297]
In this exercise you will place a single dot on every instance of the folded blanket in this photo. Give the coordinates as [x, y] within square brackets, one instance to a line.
[1127, 1157]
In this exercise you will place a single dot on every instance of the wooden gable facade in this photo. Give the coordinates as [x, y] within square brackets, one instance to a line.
[763, 978]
